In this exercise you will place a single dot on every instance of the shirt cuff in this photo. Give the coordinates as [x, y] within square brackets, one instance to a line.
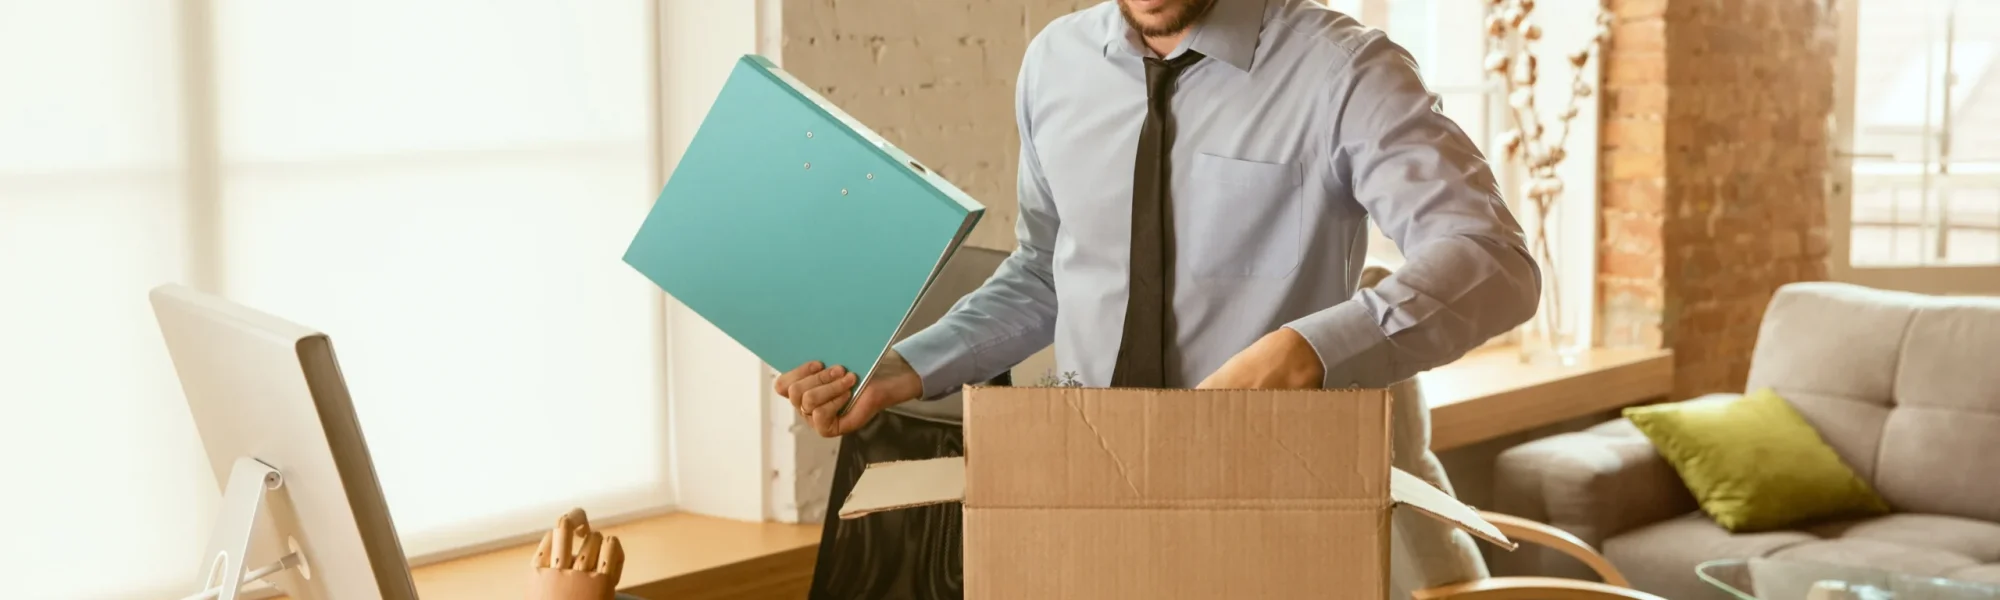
[941, 359]
[1351, 346]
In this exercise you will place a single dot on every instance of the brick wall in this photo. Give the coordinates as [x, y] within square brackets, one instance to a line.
[1632, 177]
[1715, 156]
[935, 78]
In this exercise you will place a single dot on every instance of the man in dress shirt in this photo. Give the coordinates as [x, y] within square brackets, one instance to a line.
[1196, 178]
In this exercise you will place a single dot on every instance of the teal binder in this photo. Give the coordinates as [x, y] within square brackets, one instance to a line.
[796, 230]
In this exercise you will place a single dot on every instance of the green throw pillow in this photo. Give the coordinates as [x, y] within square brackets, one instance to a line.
[1754, 463]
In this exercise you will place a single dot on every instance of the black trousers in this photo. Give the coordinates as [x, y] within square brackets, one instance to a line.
[904, 554]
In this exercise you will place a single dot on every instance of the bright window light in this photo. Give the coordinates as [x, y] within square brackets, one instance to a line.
[1917, 83]
[444, 187]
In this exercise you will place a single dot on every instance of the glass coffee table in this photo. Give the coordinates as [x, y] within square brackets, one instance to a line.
[1780, 579]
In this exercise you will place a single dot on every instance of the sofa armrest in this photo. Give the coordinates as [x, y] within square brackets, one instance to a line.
[1594, 484]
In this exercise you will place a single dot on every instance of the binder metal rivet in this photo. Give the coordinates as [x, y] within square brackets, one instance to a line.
[809, 134]
[871, 176]
[809, 165]
[843, 191]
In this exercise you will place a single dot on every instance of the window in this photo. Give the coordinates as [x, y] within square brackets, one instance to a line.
[1917, 180]
[1909, 101]
[444, 187]
[1448, 40]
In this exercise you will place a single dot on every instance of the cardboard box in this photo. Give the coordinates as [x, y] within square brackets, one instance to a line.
[1120, 493]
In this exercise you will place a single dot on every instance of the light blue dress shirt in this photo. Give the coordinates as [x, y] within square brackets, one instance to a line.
[1299, 125]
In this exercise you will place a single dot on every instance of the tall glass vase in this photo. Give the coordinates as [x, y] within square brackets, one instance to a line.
[1551, 337]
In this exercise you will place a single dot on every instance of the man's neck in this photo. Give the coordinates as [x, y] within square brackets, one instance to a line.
[1165, 45]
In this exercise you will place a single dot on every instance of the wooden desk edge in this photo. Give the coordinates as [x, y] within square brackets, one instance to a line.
[1540, 399]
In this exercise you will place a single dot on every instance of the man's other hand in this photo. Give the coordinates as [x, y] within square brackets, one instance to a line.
[1281, 360]
[818, 393]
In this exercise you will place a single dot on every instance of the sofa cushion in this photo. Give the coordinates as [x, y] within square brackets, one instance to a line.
[1851, 425]
[1754, 463]
[1831, 350]
[1978, 540]
[1941, 461]
[1947, 360]
[1834, 337]
[1661, 558]
[1987, 573]
[1938, 443]
[1876, 554]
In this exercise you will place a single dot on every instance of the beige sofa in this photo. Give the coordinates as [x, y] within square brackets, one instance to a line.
[1906, 388]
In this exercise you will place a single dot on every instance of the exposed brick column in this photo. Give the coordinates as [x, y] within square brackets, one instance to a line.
[1714, 165]
[1632, 175]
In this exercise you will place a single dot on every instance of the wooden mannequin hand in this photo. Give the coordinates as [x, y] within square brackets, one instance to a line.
[575, 563]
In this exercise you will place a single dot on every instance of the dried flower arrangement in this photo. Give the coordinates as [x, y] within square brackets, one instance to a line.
[1049, 379]
[1513, 37]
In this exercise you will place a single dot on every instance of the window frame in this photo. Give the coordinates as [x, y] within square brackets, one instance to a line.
[1942, 279]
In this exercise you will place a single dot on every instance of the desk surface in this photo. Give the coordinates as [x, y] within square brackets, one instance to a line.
[658, 550]
[1490, 393]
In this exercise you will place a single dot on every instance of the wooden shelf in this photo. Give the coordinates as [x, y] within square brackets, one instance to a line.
[679, 556]
[1490, 393]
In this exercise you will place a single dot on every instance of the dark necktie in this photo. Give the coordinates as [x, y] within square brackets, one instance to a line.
[1143, 349]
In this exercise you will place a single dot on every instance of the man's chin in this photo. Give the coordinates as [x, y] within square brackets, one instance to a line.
[1153, 27]
[1155, 18]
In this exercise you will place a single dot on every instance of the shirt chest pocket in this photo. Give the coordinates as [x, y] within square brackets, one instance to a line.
[1242, 219]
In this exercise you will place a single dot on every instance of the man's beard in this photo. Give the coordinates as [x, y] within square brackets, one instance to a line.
[1190, 11]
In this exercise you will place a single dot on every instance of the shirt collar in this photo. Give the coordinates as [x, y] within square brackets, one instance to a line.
[1229, 33]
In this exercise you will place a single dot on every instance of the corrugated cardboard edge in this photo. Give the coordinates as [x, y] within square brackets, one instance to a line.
[1413, 492]
[905, 484]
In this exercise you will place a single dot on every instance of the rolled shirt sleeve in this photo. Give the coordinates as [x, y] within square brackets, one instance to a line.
[1468, 276]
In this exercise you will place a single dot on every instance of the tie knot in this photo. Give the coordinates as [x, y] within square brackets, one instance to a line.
[1161, 74]
[1175, 64]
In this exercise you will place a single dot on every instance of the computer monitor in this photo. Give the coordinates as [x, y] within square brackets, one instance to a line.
[267, 395]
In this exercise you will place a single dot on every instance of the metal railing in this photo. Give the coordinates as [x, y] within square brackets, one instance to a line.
[1905, 214]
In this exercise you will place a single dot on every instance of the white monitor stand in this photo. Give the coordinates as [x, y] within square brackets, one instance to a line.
[243, 521]
[302, 509]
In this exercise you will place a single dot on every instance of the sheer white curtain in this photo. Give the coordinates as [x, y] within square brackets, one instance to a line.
[445, 187]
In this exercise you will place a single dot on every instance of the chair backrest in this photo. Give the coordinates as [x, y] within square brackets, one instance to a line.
[1905, 387]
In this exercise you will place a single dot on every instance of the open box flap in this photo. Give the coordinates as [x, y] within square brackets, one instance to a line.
[1413, 492]
[904, 484]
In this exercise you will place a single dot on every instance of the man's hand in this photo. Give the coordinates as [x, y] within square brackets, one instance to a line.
[819, 392]
[1281, 360]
